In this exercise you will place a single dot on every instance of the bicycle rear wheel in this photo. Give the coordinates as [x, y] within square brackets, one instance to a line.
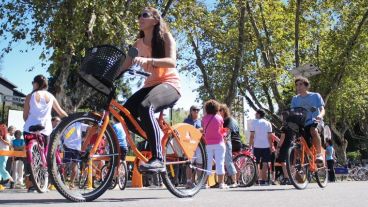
[298, 170]
[175, 159]
[322, 176]
[123, 175]
[247, 170]
[84, 127]
[38, 169]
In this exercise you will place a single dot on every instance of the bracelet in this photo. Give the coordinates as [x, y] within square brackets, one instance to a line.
[152, 62]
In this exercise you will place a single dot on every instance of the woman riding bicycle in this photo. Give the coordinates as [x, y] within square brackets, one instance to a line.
[37, 108]
[156, 55]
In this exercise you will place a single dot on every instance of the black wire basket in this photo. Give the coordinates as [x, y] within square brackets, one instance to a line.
[100, 67]
[296, 116]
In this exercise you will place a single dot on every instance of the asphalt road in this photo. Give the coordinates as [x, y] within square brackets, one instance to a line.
[352, 194]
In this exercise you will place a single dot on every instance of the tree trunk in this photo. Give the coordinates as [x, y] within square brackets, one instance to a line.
[239, 59]
[298, 12]
[340, 143]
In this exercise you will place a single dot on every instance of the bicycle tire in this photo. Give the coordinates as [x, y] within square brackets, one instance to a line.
[322, 177]
[113, 181]
[247, 167]
[38, 173]
[110, 152]
[122, 175]
[298, 175]
[200, 176]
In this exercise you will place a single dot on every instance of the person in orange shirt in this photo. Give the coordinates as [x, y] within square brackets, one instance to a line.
[156, 55]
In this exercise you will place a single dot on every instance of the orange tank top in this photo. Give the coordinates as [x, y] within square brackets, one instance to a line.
[158, 75]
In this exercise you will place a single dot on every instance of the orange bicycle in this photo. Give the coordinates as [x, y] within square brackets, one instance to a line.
[300, 164]
[182, 144]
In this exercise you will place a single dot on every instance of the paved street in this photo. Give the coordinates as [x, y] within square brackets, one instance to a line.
[337, 194]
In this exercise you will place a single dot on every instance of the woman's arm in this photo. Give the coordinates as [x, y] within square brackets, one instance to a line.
[26, 107]
[127, 62]
[58, 109]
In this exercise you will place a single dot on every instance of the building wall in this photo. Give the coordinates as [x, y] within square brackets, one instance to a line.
[5, 91]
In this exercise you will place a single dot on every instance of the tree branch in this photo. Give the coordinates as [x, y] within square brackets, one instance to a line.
[344, 59]
[273, 83]
[239, 59]
[202, 67]
[167, 7]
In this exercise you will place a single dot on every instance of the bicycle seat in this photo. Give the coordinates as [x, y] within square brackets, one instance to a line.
[35, 128]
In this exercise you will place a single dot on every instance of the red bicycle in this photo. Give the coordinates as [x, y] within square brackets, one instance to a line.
[36, 152]
[246, 166]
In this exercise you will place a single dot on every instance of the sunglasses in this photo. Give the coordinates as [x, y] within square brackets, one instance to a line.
[144, 15]
[195, 110]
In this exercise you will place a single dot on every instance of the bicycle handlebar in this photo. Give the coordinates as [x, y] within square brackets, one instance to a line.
[133, 72]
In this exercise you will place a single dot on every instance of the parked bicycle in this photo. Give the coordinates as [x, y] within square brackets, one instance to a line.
[179, 143]
[120, 175]
[246, 167]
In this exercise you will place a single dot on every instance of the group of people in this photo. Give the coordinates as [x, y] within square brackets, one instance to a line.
[222, 136]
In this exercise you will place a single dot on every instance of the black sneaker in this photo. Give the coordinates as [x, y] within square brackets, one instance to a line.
[32, 190]
[154, 166]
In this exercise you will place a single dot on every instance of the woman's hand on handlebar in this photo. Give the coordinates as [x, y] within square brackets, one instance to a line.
[142, 61]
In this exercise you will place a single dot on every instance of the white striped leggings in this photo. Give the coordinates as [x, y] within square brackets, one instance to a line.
[144, 104]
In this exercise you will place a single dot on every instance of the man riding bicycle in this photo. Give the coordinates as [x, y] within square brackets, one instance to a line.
[314, 104]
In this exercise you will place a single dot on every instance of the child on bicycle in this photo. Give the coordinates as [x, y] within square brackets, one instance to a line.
[37, 111]
[212, 124]
[156, 55]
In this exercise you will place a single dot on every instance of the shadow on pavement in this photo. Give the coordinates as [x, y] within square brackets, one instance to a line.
[261, 190]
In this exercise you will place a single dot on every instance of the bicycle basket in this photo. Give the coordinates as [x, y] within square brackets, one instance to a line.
[295, 115]
[100, 66]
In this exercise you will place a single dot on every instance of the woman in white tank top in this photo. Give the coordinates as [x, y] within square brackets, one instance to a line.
[37, 111]
[38, 106]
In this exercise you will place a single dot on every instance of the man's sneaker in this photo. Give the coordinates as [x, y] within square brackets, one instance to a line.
[154, 166]
[319, 160]
[223, 186]
[263, 183]
[32, 190]
[234, 185]
[205, 186]
[190, 185]
[285, 181]
[2, 187]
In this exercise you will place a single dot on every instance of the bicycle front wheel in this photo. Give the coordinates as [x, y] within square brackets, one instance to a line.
[322, 176]
[123, 175]
[247, 170]
[72, 142]
[298, 169]
[38, 169]
[178, 164]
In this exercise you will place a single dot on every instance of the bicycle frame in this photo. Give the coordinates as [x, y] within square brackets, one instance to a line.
[114, 108]
[311, 152]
